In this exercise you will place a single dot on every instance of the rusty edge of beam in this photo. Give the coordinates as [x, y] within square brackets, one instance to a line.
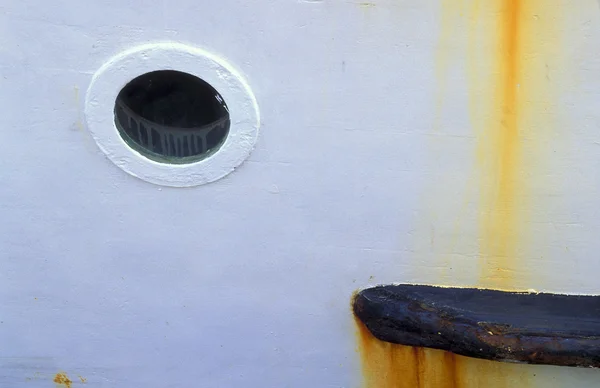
[535, 328]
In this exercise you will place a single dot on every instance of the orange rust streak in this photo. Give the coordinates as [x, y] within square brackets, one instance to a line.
[500, 227]
[510, 102]
[510, 112]
[510, 43]
[387, 365]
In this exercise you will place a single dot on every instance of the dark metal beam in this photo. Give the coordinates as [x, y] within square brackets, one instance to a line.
[536, 328]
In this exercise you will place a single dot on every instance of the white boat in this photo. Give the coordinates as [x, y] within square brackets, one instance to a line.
[193, 191]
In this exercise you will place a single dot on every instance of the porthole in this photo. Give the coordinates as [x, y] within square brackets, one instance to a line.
[171, 116]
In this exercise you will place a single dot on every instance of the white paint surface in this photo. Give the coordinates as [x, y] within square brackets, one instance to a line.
[246, 282]
[119, 70]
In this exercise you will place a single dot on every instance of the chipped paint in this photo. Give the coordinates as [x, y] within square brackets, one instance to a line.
[61, 379]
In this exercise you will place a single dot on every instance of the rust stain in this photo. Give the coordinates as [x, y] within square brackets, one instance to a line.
[386, 365]
[500, 224]
[506, 50]
[509, 45]
[511, 113]
[61, 378]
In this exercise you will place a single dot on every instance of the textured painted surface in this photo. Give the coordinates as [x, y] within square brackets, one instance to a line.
[351, 183]
[508, 49]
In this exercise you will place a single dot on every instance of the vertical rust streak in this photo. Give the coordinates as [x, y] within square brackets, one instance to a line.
[509, 46]
[500, 234]
[510, 130]
[510, 107]
[451, 370]
[385, 365]
[417, 353]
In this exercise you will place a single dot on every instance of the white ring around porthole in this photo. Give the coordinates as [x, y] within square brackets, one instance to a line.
[108, 81]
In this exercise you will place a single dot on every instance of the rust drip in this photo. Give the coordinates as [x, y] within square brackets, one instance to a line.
[387, 365]
[509, 144]
[502, 185]
[509, 46]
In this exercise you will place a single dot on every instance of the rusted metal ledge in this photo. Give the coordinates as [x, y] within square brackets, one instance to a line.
[535, 328]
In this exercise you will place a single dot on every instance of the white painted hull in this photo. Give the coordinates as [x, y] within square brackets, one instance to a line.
[382, 156]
